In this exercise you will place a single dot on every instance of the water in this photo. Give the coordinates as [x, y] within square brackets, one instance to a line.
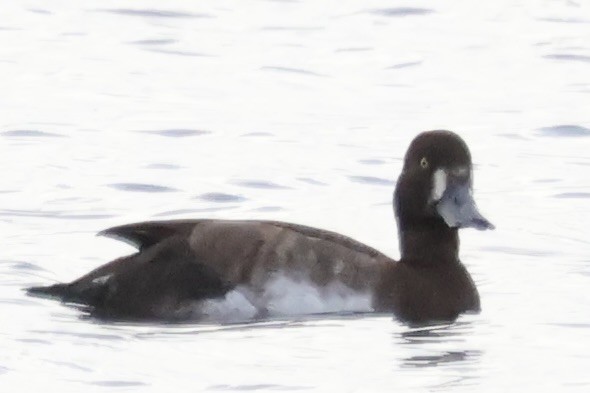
[119, 111]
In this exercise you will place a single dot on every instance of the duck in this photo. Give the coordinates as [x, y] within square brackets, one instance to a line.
[214, 270]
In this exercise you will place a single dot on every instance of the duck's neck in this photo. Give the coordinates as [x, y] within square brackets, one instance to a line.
[430, 243]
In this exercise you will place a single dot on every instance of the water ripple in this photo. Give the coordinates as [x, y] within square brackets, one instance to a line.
[372, 161]
[118, 384]
[30, 133]
[179, 53]
[421, 361]
[33, 341]
[568, 56]
[401, 11]
[372, 180]
[152, 13]
[584, 326]
[291, 70]
[404, 65]
[564, 20]
[153, 42]
[180, 212]
[222, 197]
[53, 214]
[572, 195]
[258, 387]
[16, 302]
[354, 49]
[262, 184]
[70, 365]
[565, 130]
[519, 251]
[141, 187]
[309, 180]
[513, 136]
[178, 133]
[89, 336]
[163, 166]
[257, 134]
[39, 11]
[268, 209]
[23, 265]
[292, 28]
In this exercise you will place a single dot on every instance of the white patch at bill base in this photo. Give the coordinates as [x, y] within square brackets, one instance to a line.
[439, 184]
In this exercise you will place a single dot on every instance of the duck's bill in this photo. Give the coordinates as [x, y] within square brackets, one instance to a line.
[458, 209]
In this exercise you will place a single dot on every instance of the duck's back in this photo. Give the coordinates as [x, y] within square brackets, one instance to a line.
[285, 269]
[250, 251]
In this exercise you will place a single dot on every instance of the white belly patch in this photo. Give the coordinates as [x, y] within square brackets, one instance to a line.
[283, 296]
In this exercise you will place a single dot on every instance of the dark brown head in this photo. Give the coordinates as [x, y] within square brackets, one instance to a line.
[435, 187]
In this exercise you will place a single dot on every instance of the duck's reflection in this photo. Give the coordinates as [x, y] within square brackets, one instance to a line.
[427, 340]
[440, 358]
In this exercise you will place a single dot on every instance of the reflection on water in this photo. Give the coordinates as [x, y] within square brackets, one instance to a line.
[443, 357]
[296, 111]
[423, 338]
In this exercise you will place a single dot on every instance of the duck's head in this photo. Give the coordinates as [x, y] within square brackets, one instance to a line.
[436, 184]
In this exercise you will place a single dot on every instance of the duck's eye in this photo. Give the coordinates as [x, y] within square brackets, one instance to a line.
[424, 163]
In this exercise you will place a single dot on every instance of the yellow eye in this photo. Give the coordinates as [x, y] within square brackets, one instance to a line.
[424, 163]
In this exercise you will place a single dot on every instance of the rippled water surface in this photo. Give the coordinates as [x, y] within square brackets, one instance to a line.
[120, 111]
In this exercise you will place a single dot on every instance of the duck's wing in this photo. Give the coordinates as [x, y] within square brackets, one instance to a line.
[162, 282]
[250, 251]
[253, 252]
[143, 235]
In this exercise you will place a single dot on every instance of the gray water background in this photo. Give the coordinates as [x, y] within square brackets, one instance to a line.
[120, 111]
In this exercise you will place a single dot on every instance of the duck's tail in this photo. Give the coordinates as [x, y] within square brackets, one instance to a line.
[56, 291]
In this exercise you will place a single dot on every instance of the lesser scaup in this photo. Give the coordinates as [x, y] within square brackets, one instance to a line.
[217, 270]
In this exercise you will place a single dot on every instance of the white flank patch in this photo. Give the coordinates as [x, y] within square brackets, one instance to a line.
[233, 307]
[439, 185]
[283, 296]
